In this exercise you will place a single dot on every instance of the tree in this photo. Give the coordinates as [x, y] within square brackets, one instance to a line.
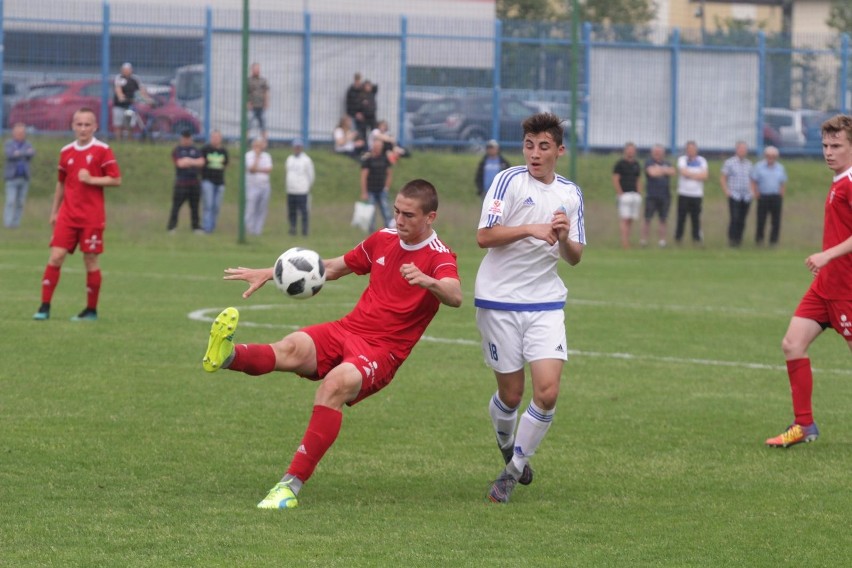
[618, 12]
[840, 16]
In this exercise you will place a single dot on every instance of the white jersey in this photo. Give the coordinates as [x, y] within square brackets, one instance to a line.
[522, 276]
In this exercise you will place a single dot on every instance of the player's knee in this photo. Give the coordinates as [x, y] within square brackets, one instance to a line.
[792, 347]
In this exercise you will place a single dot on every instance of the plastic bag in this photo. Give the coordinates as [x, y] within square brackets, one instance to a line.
[363, 214]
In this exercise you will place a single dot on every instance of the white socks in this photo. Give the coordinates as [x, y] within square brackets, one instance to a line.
[504, 420]
[531, 431]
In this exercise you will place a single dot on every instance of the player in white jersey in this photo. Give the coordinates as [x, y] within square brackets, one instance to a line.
[531, 217]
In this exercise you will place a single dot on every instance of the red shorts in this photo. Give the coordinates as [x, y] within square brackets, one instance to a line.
[91, 240]
[834, 313]
[335, 345]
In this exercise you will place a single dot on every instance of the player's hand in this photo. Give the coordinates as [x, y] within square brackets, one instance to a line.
[84, 175]
[256, 277]
[543, 232]
[817, 261]
[413, 275]
[560, 224]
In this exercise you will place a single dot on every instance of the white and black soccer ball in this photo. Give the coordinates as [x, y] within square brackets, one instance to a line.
[299, 273]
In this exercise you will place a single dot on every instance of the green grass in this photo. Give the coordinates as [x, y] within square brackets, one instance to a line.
[116, 449]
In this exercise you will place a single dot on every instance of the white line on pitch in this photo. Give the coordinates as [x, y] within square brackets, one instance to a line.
[208, 314]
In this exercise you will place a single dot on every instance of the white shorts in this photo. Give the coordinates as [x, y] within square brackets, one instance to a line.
[629, 204]
[511, 339]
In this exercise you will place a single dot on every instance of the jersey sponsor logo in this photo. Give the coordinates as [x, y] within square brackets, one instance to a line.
[560, 349]
[381, 261]
[302, 450]
[528, 202]
[88, 158]
[496, 207]
[70, 162]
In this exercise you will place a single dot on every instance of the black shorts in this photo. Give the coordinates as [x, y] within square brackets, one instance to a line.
[659, 205]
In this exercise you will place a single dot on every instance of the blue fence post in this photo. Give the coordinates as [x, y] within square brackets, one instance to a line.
[844, 72]
[306, 81]
[675, 64]
[208, 69]
[761, 89]
[403, 76]
[3, 119]
[587, 65]
[106, 91]
[498, 79]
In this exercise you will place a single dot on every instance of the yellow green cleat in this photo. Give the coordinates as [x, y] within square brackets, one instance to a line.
[280, 497]
[221, 342]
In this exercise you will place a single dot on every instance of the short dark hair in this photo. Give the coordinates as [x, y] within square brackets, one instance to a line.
[422, 191]
[186, 133]
[544, 122]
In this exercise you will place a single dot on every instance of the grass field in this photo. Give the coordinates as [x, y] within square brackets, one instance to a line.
[116, 449]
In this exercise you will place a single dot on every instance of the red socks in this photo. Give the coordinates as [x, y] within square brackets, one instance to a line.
[801, 387]
[49, 282]
[254, 359]
[321, 433]
[93, 289]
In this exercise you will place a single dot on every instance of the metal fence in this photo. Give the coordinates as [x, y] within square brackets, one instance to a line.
[441, 81]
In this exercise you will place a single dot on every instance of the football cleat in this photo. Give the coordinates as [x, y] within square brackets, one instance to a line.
[501, 488]
[526, 475]
[221, 342]
[43, 313]
[280, 497]
[794, 434]
[86, 315]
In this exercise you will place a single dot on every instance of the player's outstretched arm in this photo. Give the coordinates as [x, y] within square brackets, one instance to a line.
[335, 268]
[256, 277]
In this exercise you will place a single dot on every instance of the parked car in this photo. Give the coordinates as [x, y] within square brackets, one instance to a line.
[51, 106]
[13, 91]
[468, 121]
[793, 128]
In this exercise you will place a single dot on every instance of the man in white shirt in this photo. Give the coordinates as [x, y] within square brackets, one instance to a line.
[692, 170]
[300, 179]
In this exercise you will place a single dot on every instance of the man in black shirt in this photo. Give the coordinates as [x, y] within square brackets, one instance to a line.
[125, 87]
[376, 176]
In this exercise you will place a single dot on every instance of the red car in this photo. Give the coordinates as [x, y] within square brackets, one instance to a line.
[51, 106]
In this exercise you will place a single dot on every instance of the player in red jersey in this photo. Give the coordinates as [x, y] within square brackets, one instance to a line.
[411, 274]
[828, 301]
[86, 167]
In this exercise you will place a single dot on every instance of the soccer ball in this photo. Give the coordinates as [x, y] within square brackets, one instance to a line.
[299, 273]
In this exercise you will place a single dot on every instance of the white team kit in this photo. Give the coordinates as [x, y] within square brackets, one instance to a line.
[518, 294]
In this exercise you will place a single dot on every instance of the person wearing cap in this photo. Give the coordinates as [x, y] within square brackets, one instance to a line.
[125, 87]
[300, 178]
[188, 162]
[491, 164]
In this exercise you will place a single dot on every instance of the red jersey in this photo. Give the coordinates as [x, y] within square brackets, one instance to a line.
[834, 281]
[392, 311]
[83, 204]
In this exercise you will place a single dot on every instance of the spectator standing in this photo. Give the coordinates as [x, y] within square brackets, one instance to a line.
[828, 301]
[489, 166]
[78, 216]
[188, 162]
[258, 188]
[367, 109]
[531, 218]
[213, 180]
[125, 87]
[258, 98]
[300, 179]
[627, 179]
[353, 101]
[346, 139]
[735, 180]
[658, 199]
[412, 273]
[693, 171]
[769, 183]
[376, 177]
[18, 152]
